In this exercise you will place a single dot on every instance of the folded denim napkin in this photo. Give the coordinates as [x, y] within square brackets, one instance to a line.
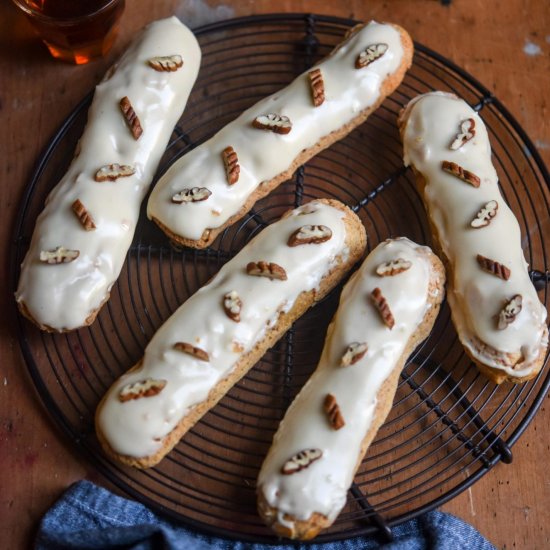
[90, 517]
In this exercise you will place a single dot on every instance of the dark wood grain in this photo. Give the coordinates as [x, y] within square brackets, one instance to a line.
[510, 505]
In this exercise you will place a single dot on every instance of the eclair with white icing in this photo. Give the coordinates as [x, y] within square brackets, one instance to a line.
[495, 308]
[222, 330]
[386, 309]
[80, 240]
[217, 183]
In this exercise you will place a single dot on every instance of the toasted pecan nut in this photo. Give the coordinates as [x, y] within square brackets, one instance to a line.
[273, 122]
[461, 173]
[493, 267]
[510, 311]
[393, 267]
[59, 255]
[266, 269]
[332, 409]
[485, 215]
[354, 352]
[466, 133]
[143, 388]
[131, 118]
[317, 86]
[194, 194]
[383, 308]
[111, 172]
[232, 305]
[166, 63]
[370, 54]
[310, 234]
[231, 163]
[84, 217]
[196, 352]
[301, 460]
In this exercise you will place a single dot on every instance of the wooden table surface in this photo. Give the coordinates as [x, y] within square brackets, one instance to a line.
[505, 45]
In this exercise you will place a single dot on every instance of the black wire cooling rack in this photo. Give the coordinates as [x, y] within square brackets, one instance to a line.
[448, 426]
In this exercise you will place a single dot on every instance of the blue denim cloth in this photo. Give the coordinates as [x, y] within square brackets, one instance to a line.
[90, 517]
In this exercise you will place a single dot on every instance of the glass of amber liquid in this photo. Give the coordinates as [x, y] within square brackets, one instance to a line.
[75, 30]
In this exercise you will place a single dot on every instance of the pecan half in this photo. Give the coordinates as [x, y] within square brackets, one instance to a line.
[331, 407]
[354, 352]
[510, 311]
[301, 460]
[232, 305]
[59, 255]
[485, 215]
[131, 118]
[143, 388]
[84, 217]
[198, 353]
[111, 172]
[393, 267]
[462, 174]
[266, 269]
[310, 234]
[231, 163]
[383, 308]
[166, 63]
[370, 54]
[317, 86]
[273, 122]
[493, 267]
[195, 194]
[466, 133]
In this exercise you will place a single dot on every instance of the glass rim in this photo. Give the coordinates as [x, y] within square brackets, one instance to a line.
[29, 10]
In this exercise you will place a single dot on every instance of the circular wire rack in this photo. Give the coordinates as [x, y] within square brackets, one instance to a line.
[448, 425]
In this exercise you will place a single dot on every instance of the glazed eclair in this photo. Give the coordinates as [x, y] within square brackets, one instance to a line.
[217, 183]
[386, 309]
[495, 308]
[223, 329]
[81, 238]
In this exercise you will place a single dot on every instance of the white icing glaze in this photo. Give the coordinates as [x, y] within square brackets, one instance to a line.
[63, 296]
[137, 428]
[263, 154]
[475, 297]
[322, 487]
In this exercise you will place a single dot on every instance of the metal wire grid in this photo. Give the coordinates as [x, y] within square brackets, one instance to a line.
[448, 426]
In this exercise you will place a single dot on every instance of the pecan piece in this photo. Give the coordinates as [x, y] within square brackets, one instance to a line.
[466, 133]
[266, 269]
[393, 267]
[354, 352]
[273, 122]
[310, 234]
[111, 172]
[370, 54]
[485, 215]
[461, 173]
[131, 118]
[59, 255]
[84, 217]
[143, 388]
[166, 63]
[232, 305]
[198, 353]
[301, 460]
[510, 311]
[331, 407]
[317, 86]
[493, 267]
[231, 163]
[383, 308]
[195, 194]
